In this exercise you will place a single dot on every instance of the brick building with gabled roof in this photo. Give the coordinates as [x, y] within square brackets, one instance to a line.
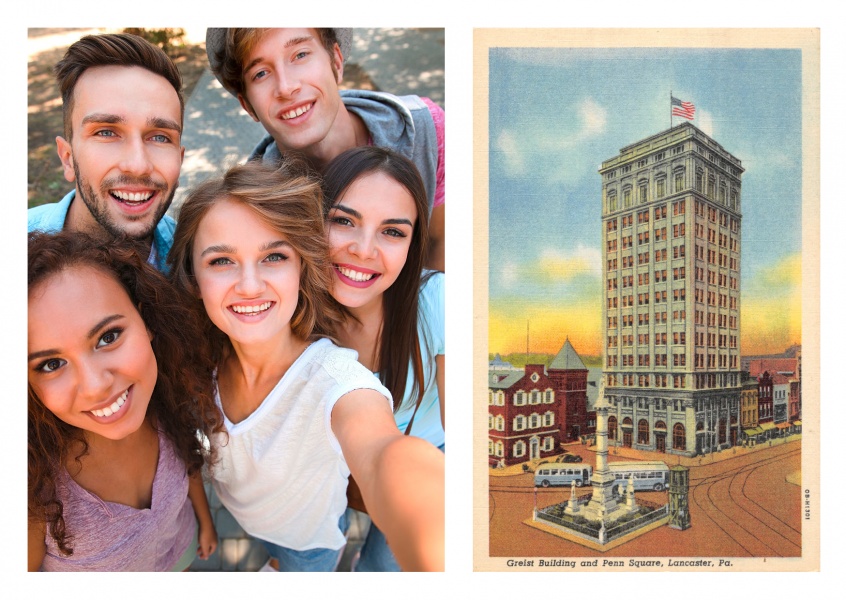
[569, 375]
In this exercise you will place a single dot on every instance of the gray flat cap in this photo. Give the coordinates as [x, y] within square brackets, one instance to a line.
[215, 37]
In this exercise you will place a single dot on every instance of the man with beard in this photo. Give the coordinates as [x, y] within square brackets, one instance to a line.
[123, 109]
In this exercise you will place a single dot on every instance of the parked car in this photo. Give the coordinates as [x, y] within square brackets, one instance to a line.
[572, 458]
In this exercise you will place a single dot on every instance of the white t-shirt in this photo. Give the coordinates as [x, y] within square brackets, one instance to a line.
[282, 474]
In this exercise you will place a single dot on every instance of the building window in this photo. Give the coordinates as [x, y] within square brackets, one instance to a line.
[498, 449]
[500, 398]
[660, 185]
[499, 423]
[548, 443]
[490, 421]
[534, 421]
[548, 419]
[535, 398]
[612, 428]
[642, 432]
[520, 398]
[519, 423]
[519, 449]
[678, 437]
[678, 178]
[548, 397]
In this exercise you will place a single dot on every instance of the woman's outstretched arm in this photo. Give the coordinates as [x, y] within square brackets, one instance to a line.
[401, 478]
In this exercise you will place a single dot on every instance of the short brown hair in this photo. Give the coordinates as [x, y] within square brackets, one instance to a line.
[228, 61]
[288, 200]
[111, 49]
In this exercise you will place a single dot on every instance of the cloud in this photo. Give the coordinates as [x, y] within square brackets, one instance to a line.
[550, 324]
[562, 266]
[546, 143]
[513, 156]
[705, 122]
[771, 307]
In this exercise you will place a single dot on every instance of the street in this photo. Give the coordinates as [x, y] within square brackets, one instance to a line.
[740, 507]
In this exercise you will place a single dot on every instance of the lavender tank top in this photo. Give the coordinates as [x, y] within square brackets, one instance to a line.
[108, 536]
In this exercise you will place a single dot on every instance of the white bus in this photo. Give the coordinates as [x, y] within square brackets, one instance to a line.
[563, 474]
[648, 475]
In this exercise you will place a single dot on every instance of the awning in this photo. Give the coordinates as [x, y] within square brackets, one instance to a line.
[767, 426]
[753, 431]
[798, 423]
[782, 425]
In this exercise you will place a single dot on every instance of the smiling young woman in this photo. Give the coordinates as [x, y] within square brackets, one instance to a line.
[375, 207]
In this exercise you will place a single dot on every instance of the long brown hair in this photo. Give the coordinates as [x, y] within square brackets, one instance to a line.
[182, 405]
[399, 343]
[287, 199]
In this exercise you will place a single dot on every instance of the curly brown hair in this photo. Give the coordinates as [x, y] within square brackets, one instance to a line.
[287, 198]
[182, 405]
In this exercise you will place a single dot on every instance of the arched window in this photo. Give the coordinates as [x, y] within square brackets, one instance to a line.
[534, 421]
[520, 448]
[498, 449]
[490, 421]
[679, 440]
[490, 447]
[520, 422]
[612, 428]
[500, 423]
[643, 431]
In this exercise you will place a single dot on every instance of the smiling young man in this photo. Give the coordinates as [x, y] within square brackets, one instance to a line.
[288, 80]
[123, 109]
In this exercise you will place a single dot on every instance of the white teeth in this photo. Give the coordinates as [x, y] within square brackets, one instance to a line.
[355, 275]
[132, 197]
[110, 410]
[296, 112]
[250, 310]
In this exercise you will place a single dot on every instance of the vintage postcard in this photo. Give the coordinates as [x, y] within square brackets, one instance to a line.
[646, 367]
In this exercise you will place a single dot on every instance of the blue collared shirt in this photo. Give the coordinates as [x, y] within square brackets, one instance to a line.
[51, 218]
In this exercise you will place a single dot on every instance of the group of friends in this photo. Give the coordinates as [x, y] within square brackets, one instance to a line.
[282, 338]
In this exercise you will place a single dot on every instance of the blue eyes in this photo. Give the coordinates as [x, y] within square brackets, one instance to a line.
[223, 261]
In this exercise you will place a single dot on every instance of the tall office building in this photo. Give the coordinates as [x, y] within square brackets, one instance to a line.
[671, 217]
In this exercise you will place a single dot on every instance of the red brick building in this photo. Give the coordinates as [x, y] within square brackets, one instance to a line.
[532, 412]
[570, 378]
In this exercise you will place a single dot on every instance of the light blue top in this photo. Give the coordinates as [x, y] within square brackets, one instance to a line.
[430, 327]
[51, 219]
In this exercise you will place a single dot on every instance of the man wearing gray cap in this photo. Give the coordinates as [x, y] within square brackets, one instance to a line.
[287, 79]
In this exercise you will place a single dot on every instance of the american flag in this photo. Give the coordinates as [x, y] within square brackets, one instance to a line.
[682, 109]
